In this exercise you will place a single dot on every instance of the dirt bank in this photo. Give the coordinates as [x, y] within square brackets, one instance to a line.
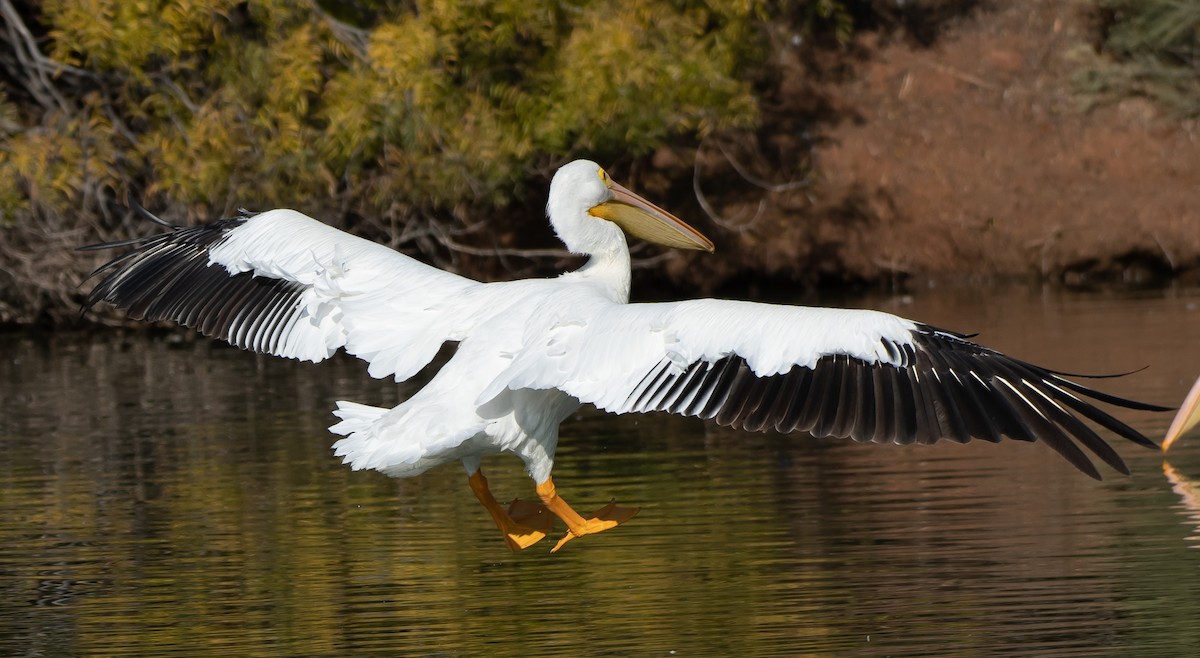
[970, 158]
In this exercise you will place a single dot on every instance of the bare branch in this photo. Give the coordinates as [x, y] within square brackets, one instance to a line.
[37, 67]
[353, 38]
[177, 91]
[501, 251]
[959, 75]
[737, 224]
[650, 261]
[758, 182]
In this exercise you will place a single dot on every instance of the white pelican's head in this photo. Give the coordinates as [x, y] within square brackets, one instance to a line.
[588, 211]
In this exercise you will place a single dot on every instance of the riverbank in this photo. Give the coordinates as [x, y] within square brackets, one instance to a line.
[973, 159]
[959, 154]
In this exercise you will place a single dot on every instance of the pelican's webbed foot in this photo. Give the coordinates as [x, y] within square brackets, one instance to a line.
[523, 524]
[608, 517]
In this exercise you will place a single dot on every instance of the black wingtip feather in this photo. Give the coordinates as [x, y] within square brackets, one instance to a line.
[1114, 400]
[146, 214]
[945, 387]
[169, 276]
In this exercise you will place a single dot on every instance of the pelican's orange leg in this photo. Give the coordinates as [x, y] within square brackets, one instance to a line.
[610, 516]
[523, 525]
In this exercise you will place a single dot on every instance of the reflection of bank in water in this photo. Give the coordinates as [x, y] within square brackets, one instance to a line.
[1187, 418]
[1190, 495]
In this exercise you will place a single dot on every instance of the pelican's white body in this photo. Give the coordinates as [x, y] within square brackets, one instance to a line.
[529, 351]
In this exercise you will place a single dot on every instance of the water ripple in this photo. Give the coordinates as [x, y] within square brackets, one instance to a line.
[163, 499]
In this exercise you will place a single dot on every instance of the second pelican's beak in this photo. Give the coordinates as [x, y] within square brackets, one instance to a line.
[642, 219]
[1187, 418]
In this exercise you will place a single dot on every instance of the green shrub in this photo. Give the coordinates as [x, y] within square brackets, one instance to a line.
[1149, 48]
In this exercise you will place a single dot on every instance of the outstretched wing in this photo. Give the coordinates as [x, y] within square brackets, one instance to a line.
[286, 284]
[866, 375]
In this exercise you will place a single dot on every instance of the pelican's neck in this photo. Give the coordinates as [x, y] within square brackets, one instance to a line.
[600, 240]
[609, 269]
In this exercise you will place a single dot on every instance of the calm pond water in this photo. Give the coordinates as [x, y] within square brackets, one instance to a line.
[160, 497]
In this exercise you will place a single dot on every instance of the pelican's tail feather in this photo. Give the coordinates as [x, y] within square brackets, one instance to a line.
[359, 426]
[355, 417]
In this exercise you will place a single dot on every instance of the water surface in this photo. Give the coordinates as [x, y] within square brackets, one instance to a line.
[164, 497]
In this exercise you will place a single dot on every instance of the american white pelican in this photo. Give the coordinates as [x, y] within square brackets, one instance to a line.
[530, 352]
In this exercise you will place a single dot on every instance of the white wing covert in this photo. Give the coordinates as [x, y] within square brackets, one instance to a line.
[865, 375]
[285, 284]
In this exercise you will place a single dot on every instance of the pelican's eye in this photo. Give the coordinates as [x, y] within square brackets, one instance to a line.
[604, 177]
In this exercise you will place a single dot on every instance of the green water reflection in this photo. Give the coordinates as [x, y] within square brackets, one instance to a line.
[160, 498]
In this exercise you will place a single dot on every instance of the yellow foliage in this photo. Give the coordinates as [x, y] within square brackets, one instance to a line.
[123, 35]
[680, 74]
[216, 102]
[407, 56]
[202, 159]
